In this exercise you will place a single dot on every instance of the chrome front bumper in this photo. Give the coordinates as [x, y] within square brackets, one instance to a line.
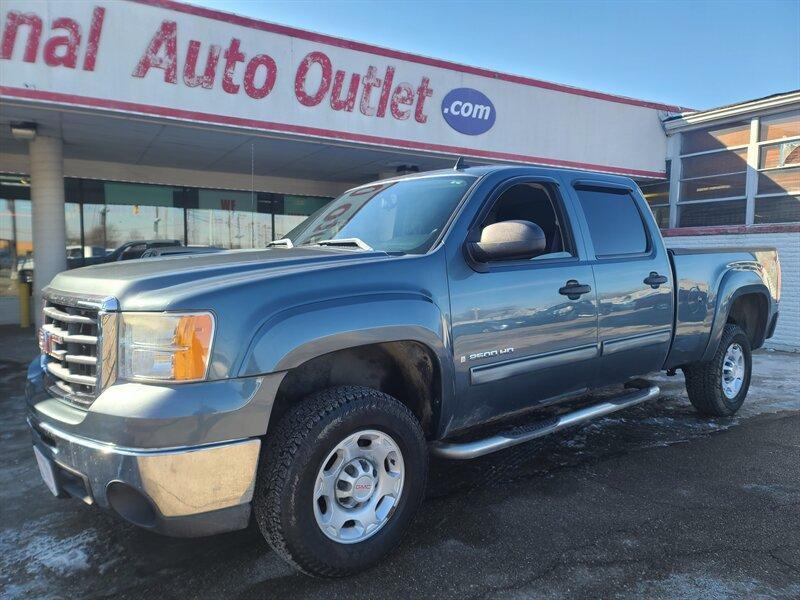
[188, 491]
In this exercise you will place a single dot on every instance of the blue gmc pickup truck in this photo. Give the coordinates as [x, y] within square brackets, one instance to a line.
[303, 386]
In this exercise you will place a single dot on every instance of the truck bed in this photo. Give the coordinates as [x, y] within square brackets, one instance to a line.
[701, 276]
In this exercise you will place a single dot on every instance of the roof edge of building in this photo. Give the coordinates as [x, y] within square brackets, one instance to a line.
[730, 111]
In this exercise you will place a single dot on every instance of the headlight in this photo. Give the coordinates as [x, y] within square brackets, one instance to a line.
[165, 346]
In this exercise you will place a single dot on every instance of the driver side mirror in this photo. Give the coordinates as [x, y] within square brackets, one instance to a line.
[508, 240]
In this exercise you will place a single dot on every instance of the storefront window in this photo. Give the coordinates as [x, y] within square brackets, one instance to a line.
[782, 154]
[779, 126]
[781, 209]
[16, 240]
[139, 212]
[709, 188]
[100, 216]
[657, 196]
[72, 215]
[713, 183]
[716, 163]
[779, 181]
[716, 138]
[712, 213]
[116, 213]
[224, 219]
[778, 186]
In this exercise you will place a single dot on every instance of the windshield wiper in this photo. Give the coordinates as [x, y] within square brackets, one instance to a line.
[354, 241]
[281, 243]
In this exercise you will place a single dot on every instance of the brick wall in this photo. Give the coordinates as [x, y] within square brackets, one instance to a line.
[787, 335]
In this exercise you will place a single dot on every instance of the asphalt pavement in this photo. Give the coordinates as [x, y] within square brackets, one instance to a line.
[654, 501]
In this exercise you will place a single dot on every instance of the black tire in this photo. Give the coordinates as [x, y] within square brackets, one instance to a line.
[283, 503]
[704, 380]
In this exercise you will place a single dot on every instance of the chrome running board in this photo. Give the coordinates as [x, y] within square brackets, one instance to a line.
[525, 433]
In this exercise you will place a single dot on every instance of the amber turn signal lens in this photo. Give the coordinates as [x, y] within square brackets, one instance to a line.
[193, 338]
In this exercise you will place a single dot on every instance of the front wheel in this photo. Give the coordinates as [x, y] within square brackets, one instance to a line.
[718, 387]
[340, 479]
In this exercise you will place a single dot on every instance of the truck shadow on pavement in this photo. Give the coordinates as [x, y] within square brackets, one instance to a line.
[654, 500]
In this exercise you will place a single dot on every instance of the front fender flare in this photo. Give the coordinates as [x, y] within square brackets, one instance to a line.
[293, 336]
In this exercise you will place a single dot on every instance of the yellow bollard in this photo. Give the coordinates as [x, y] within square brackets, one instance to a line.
[24, 304]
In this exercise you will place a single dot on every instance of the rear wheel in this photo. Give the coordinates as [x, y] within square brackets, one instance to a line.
[340, 479]
[718, 387]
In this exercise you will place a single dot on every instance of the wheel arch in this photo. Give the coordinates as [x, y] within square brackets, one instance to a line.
[407, 370]
[742, 301]
[396, 343]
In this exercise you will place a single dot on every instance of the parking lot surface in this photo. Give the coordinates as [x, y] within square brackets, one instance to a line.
[652, 501]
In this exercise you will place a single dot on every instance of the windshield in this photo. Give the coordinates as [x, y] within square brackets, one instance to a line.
[398, 216]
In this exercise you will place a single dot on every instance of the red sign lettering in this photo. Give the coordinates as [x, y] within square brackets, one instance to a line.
[316, 81]
[403, 93]
[164, 39]
[59, 50]
[190, 76]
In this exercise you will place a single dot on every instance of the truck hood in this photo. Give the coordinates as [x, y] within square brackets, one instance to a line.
[127, 279]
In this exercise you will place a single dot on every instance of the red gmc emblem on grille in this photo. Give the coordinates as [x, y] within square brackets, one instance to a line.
[47, 340]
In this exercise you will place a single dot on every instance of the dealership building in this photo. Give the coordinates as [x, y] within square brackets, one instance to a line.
[153, 119]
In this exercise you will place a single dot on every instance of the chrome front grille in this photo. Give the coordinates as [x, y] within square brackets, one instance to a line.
[71, 340]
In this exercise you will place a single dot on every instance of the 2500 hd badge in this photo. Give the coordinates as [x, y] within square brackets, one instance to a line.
[486, 354]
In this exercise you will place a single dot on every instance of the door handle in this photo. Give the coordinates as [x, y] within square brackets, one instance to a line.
[654, 280]
[574, 290]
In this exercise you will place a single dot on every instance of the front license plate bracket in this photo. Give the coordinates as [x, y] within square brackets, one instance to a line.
[47, 471]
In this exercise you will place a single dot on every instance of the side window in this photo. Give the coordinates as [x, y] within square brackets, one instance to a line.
[615, 223]
[535, 203]
[133, 252]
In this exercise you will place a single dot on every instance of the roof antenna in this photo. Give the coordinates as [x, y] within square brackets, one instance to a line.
[459, 164]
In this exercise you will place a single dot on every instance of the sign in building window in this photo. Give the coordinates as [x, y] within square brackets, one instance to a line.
[710, 188]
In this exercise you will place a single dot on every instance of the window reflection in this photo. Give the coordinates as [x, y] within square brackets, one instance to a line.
[115, 213]
[780, 126]
[657, 197]
[16, 240]
[716, 138]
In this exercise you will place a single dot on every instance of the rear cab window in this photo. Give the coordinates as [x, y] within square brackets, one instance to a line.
[615, 223]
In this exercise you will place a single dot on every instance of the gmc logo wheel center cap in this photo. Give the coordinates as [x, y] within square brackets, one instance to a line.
[362, 488]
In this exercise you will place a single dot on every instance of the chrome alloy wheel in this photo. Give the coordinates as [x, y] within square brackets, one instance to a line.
[358, 486]
[733, 370]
